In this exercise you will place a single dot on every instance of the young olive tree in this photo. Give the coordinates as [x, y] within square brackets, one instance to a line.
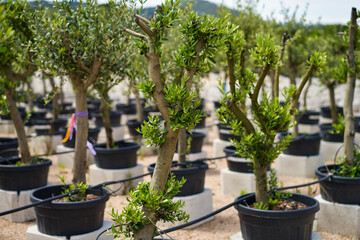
[201, 35]
[269, 116]
[82, 43]
[16, 62]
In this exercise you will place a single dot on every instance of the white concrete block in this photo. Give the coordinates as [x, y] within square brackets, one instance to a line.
[218, 147]
[10, 200]
[197, 205]
[33, 233]
[192, 156]
[7, 127]
[323, 120]
[329, 150]
[308, 128]
[298, 166]
[336, 218]
[238, 236]
[233, 183]
[204, 130]
[67, 159]
[118, 134]
[44, 144]
[99, 175]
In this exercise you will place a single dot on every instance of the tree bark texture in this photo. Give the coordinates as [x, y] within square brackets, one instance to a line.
[333, 107]
[105, 115]
[182, 146]
[349, 134]
[19, 127]
[261, 182]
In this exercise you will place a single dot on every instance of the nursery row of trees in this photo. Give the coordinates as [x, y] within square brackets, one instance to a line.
[99, 46]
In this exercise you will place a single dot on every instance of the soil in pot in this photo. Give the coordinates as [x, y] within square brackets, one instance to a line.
[338, 189]
[93, 134]
[303, 145]
[24, 177]
[115, 119]
[124, 155]
[194, 175]
[132, 125]
[69, 218]
[325, 111]
[309, 118]
[8, 147]
[224, 133]
[274, 224]
[197, 140]
[330, 137]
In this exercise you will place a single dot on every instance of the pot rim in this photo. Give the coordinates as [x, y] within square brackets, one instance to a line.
[199, 165]
[312, 209]
[101, 147]
[334, 178]
[13, 167]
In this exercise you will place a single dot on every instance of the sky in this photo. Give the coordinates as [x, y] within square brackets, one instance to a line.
[323, 11]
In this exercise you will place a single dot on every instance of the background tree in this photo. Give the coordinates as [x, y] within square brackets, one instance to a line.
[16, 61]
[81, 43]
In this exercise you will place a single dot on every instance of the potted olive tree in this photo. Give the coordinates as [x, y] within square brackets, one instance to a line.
[258, 143]
[16, 65]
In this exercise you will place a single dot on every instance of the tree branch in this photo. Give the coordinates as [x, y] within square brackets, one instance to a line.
[241, 116]
[81, 65]
[145, 20]
[259, 83]
[135, 34]
[285, 37]
[144, 27]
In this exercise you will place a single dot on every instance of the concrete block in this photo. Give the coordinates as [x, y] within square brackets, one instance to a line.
[238, 236]
[204, 130]
[99, 175]
[197, 205]
[44, 144]
[218, 147]
[336, 218]
[67, 159]
[232, 183]
[33, 233]
[10, 200]
[329, 149]
[7, 127]
[323, 120]
[118, 134]
[192, 156]
[298, 166]
[308, 128]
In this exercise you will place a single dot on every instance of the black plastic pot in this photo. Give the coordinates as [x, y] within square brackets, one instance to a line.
[124, 156]
[325, 111]
[126, 108]
[46, 132]
[217, 104]
[22, 112]
[194, 175]
[34, 116]
[18, 178]
[197, 141]
[68, 218]
[275, 225]
[132, 125]
[93, 134]
[344, 190]
[224, 133]
[309, 118]
[237, 163]
[202, 122]
[115, 119]
[8, 147]
[329, 137]
[303, 145]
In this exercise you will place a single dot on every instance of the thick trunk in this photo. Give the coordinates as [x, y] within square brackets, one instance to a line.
[79, 169]
[261, 183]
[159, 178]
[19, 127]
[182, 145]
[349, 96]
[105, 115]
[333, 107]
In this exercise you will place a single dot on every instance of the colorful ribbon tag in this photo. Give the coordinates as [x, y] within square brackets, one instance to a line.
[72, 125]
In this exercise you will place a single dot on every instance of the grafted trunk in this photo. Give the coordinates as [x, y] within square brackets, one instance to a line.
[79, 169]
[105, 115]
[261, 184]
[19, 127]
[182, 146]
